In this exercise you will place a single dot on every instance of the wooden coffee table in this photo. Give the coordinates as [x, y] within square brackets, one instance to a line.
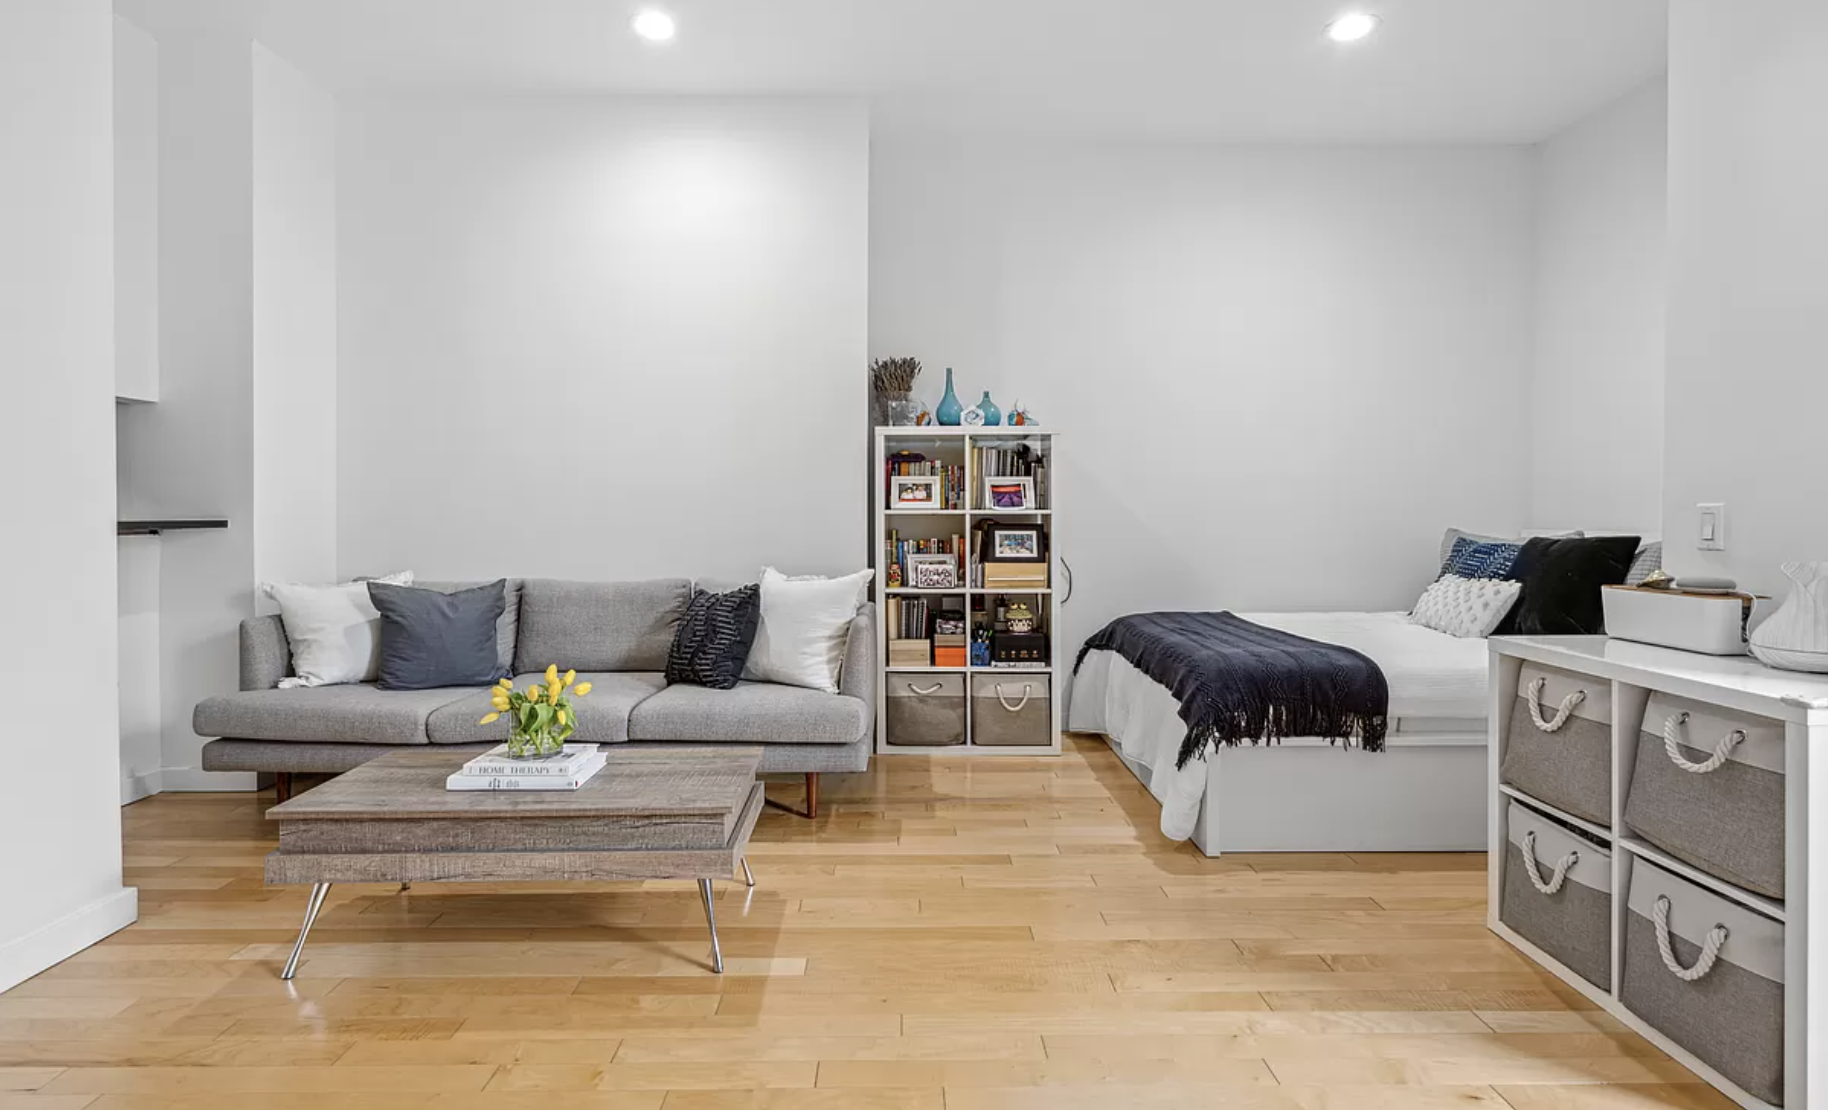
[652, 813]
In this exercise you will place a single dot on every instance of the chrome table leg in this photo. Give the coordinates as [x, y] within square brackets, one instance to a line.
[748, 875]
[318, 893]
[717, 954]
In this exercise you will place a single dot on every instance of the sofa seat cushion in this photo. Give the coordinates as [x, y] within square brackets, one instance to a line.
[354, 713]
[752, 713]
[602, 713]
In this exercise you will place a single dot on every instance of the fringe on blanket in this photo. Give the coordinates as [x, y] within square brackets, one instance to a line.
[1273, 724]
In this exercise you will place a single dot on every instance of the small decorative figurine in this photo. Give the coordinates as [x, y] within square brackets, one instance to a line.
[1020, 618]
[1020, 417]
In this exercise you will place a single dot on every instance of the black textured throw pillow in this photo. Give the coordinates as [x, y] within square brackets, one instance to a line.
[1561, 584]
[714, 637]
[431, 639]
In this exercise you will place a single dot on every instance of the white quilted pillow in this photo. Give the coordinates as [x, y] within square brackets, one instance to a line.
[1465, 606]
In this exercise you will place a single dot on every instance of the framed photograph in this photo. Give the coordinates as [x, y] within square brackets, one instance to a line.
[933, 572]
[911, 492]
[1014, 543]
[1009, 495]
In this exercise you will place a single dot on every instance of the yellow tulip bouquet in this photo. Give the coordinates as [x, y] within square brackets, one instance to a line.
[541, 717]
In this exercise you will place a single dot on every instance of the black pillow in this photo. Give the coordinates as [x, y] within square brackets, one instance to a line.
[1561, 584]
[431, 639]
[714, 637]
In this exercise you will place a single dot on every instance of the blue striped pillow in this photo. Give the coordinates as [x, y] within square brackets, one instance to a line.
[1472, 559]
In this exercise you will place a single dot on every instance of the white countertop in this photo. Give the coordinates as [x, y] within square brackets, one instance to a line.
[1729, 679]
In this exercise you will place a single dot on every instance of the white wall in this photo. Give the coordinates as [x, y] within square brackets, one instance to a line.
[192, 454]
[1280, 372]
[1601, 287]
[642, 322]
[136, 213]
[60, 872]
[1747, 392]
[294, 325]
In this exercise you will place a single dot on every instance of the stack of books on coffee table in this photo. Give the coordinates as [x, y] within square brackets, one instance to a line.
[495, 769]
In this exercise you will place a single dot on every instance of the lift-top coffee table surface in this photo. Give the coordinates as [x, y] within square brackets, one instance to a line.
[651, 813]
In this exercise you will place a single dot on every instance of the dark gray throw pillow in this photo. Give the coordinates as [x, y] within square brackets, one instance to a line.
[431, 639]
[714, 637]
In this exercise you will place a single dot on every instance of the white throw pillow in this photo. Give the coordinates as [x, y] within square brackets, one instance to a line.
[1465, 606]
[800, 640]
[335, 631]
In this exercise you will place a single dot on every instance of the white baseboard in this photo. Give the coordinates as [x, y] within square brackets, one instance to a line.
[145, 785]
[195, 781]
[23, 958]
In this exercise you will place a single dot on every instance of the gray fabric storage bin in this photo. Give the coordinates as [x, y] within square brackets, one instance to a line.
[924, 710]
[1565, 908]
[1728, 821]
[1567, 760]
[1732, 1016]
[1011, 711]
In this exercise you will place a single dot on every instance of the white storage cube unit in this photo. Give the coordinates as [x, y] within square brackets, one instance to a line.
[1717, 801]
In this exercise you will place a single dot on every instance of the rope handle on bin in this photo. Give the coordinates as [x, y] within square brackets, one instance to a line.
[1710, 951]
[1027, 689]
[1721, 751]
[1555, 882]
[1552, 724]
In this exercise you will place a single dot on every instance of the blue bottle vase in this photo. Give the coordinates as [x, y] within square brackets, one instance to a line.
[949, 409]
[992, 415]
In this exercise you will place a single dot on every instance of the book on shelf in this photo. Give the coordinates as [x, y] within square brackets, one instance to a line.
[897, 550]
[497, 761]
[1020, 461]
[572, 781]
[913, 464]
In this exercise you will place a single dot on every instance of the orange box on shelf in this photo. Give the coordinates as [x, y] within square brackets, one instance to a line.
[949, 656]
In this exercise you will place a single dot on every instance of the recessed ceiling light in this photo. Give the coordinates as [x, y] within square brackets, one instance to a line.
[653, 25]
[1352, 26]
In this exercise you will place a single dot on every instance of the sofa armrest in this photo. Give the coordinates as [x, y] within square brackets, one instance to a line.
[266, 654]
[857, 677]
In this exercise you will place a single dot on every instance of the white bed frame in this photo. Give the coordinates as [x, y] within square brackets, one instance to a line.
[1425, 793]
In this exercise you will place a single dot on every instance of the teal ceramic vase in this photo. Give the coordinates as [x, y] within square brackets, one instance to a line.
[949, 409]
[992, 415]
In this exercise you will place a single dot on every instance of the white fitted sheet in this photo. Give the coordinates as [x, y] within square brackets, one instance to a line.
[1437, 683]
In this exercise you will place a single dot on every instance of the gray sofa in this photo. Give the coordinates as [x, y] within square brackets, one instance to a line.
[615, 634]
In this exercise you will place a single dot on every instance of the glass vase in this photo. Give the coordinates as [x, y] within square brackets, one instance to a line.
[949, 410]
[993, 416]
[533, 744]
[900, 410]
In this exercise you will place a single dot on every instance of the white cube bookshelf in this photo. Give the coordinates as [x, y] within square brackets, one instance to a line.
[957, 446]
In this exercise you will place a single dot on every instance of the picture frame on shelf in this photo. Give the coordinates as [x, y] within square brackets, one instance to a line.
[1013, 543]
[1013, 494]
[933, 572]
[910, 491]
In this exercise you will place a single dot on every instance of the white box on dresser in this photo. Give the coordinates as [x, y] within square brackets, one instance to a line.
[1629, 674]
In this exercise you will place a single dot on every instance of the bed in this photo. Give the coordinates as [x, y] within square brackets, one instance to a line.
[1424, 792]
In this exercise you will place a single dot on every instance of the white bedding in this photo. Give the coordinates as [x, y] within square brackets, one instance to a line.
[1434, 678]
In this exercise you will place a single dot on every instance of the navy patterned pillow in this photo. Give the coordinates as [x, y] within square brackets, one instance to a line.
[713, 639]
[1472, 558]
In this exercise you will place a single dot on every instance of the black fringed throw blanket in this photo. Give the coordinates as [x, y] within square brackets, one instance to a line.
[1242, 683]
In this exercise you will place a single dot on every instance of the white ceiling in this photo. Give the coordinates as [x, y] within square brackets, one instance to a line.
[1251, 70]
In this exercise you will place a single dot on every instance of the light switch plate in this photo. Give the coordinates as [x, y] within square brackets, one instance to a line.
[1710, 532]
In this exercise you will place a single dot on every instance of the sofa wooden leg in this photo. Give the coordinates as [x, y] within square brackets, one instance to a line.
[812, 794]
[282, 786]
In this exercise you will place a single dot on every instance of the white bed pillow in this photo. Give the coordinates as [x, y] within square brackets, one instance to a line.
[1465, 607]
[335, 631]
[805, 621]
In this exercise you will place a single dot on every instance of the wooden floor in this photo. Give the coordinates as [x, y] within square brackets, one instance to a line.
[950, 933]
